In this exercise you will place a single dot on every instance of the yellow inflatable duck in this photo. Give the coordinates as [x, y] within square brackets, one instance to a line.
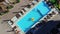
[32, 19]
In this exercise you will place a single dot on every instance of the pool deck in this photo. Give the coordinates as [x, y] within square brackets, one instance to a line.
[4, 26]
[22, 32]
[46, 15]
[32, 8]
[57, 17]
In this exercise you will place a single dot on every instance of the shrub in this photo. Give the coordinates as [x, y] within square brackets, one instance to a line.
[9, 7]
[18, 1]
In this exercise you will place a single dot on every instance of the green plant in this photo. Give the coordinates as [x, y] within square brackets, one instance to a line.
[9, 7]
[18, 1]
[53, 1]
[4, 12]
[59, 6]
[56, 5]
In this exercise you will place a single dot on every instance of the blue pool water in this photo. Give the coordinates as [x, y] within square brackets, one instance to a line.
[33, 16]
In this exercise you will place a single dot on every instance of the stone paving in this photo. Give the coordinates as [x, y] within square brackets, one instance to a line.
[56, 17]
[4, 25]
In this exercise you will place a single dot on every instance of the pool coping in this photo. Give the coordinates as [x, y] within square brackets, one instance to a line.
[45, 16]
[22, 17]
[28, 13]
[30, 10]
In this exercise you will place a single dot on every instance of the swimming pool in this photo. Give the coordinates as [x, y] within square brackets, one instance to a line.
[40, 10]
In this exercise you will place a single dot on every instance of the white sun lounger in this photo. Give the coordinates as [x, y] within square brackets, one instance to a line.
[45, 1]
[55, 10]
[31, 4]
[49, 6]
[23, 11]
[34, 2]
[26, 8]
[20, 14]
[14, 19]
[9, 22]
